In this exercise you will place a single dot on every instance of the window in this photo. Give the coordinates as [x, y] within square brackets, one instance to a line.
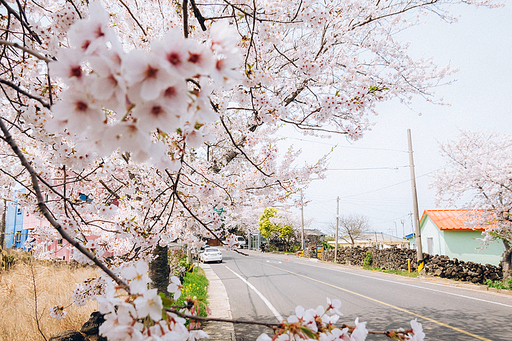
[17, 237]
[19, 210]
[430, 245]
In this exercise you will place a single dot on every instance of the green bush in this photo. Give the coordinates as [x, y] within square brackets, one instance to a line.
[195, 288]
[368, 259]
[499, 284]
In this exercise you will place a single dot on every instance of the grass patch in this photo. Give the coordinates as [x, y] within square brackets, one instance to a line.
[389, 271]
[499, 284]
[195, 286]
[54, 284]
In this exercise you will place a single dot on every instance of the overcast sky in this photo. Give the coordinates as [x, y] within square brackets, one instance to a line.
[371, 176]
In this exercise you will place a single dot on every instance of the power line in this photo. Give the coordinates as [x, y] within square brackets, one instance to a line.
[369, 168]
[396, 184]
[337, 145]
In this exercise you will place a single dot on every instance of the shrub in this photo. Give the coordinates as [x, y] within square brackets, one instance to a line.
[368, 259]
[499, 284]
[195, 286]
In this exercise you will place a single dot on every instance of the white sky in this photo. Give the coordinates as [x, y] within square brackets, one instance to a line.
[480, 45]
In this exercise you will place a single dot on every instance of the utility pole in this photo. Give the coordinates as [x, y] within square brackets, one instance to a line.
[403, 227]
[419, 251]
[302, 217]
[337, 224]
[396, 230]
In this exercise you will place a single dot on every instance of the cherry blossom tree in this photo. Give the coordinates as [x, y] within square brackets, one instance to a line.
[479, 172]
[132, 124]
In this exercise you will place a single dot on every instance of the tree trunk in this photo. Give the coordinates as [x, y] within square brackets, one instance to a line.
[506, 261]
[159, 269]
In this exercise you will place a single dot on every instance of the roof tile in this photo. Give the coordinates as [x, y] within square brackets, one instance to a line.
[450, 220]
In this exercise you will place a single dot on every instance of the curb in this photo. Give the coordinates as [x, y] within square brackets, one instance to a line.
[219, 305]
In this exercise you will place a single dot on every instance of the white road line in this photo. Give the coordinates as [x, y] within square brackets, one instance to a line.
[263, 298]
[420, 287]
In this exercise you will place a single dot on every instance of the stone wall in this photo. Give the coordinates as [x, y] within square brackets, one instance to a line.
[396, 259]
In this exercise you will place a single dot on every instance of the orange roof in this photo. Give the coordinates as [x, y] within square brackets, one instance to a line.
[450, 220]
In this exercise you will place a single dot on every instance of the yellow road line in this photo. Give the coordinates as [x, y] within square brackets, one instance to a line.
[386, 304]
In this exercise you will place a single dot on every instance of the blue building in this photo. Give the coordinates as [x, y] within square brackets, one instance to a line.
[15, 233]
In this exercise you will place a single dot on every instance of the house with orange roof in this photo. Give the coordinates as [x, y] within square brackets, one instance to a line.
[446, 232]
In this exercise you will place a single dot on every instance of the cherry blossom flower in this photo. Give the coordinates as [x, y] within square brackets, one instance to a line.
[146, 76]
[175, 287]
[155, 114]
[150, 303]
[137, 277]
[171, 49]
[334, 305]
[199, 58]
[231, 242]
[359, 333]
[58, 312]
[78, 111]
[107, 85]
[127, 135]
[89, 35]
[68, 66]
[417, 330]
[197, 335]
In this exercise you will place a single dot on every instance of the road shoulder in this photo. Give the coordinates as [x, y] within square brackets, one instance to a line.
[219, 305]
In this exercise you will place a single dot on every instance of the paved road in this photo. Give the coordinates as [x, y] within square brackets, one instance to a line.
[266, 287]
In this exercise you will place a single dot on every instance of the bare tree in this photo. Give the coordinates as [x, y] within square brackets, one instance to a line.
[351, 227]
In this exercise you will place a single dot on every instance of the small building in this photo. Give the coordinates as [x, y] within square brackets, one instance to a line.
[411, 238]
[445, 232]
[18, 226]
[375, 239]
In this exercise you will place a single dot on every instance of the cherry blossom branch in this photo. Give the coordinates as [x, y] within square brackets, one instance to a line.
[273, 326]
[133, 16]
[198, 15]
[22, 22]
[185, 18]
[18, 89]
[46, 212]
[113, 193]
[201, 222]
[76, 8]
[314, 128]
[276, 326]
[239, 149]
[25, 49]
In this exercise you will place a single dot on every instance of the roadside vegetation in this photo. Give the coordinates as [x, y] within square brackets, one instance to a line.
[28, 290]
[507, 285]
[389, 271]
[195, 286]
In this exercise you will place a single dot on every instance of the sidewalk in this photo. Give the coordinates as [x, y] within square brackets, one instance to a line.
[219, 304]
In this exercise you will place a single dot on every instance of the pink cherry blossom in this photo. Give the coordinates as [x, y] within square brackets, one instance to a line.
[145, 75]
[137, 277]
[150, 304]
[175, 287]
[58, 312]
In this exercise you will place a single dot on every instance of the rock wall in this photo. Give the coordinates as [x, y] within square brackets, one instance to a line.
[396, 259]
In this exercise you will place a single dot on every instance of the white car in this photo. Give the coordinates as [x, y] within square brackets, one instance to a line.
[241, 242]
[211, 254]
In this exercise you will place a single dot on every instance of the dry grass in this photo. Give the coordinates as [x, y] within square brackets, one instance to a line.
[54, 285]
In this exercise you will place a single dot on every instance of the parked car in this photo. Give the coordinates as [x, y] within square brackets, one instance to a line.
[211, 254]
[241, 242]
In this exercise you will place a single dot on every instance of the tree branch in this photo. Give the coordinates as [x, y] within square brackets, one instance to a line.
[46, 211]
